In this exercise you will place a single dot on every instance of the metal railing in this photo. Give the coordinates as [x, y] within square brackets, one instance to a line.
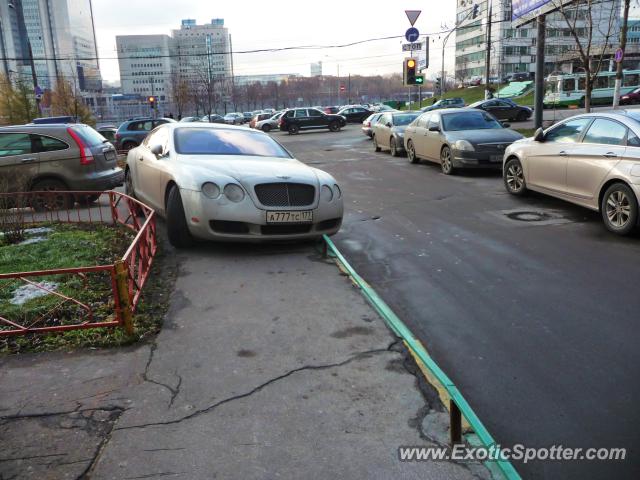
[122, 280]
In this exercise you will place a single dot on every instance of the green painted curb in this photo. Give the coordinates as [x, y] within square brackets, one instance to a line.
[402, 331]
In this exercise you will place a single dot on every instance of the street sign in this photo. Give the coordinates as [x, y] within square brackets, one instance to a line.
[619, 55]
[423, 56]
[412, 15]
[412, 34]
[410, 47]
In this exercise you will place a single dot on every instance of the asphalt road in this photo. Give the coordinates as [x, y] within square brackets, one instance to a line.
[535, 321]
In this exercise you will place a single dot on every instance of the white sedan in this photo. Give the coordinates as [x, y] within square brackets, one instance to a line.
[226, 183]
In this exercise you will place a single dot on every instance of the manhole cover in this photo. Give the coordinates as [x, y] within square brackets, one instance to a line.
[529, 216]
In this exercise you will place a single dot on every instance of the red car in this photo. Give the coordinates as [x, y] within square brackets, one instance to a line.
[631, 98]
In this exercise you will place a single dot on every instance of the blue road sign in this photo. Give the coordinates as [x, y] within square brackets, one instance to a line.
[412, 34]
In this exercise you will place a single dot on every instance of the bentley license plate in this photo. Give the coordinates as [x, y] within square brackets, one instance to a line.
[496, 158]
[305, 216]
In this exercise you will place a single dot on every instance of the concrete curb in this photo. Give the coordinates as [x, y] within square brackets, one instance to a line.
[432, 371]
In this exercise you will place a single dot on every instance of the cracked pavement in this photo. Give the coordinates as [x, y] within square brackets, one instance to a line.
[269, 365]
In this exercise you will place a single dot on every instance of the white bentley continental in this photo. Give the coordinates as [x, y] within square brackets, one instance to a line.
[227, 183]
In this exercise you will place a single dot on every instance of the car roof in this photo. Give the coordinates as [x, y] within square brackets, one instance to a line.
[40, 126]
[216, 126]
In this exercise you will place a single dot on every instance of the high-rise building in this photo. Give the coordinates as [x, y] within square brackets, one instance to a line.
[514, 49]
[141, 74]
[316, 69]
[61, 35]
[203, 53]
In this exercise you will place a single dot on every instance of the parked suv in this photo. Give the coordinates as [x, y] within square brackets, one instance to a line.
[131, 133]
[298, 119]
[57, 157]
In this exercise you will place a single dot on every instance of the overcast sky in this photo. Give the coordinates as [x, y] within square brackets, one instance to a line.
[257, 24]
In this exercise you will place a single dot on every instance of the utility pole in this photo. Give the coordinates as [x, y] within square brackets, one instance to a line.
[487, 66]
[34, 77]
[233, 79]
[539, 80]
[623, 46]
[349, 89]
[153, 94]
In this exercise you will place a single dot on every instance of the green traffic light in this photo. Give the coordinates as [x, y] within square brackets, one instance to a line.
[419, 80]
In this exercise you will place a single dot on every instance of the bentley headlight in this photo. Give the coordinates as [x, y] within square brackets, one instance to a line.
[211, 190]
[234, 192]
[326, 193]
[464, 146]
[337, 191]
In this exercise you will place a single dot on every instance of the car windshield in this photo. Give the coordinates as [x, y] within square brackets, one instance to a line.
[222, 141]
[404, 119]
[469, 121]
[89, 135]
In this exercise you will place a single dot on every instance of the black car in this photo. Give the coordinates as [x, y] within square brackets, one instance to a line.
[298, 119]
[453, 102]
[504, 109]
[355, 114]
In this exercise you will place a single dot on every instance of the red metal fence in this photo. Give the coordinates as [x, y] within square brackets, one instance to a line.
[122, 280]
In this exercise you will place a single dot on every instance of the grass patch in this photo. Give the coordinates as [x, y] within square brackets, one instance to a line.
[527, 132]
[75, 245]
[471, 95]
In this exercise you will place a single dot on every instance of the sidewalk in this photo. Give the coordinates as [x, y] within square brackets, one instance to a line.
[269, 365]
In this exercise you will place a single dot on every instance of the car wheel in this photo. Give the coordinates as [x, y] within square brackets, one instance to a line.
[376, 147]
[513, 177]
[619, 209]
[56, 200]
[446, 162]
[411, 152]
[126, 146]
[522, 117]
[293, 129]
[177, 229]
[334, 127]
[128, 184]
[266, 128]
[393, 147]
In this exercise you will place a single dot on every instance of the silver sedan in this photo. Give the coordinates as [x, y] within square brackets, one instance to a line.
[592, 160]
[225, 183]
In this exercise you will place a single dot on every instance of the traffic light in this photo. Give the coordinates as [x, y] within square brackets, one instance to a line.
[419, 79]
[475, 12]
[409, 71]
[438, 84]
[152, 101]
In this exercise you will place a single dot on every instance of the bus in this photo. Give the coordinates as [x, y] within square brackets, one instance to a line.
[567, 89]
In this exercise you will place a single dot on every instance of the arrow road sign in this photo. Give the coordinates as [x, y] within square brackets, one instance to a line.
[412, 34]
[412, 15]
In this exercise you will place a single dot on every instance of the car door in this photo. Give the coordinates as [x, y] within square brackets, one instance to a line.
[301, 118]
[19, 164]
[316, 118]
[383, 130]
[546, 164]
[433, 139]
[493, 107]
[602, 147]
[149, 169]
[418, 133]
[58, 159]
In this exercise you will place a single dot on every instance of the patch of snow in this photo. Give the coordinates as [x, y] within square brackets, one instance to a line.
[25, 293]
[35, 231]
[31, 240]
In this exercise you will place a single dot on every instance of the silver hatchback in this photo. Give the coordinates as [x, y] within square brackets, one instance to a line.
[592, 160]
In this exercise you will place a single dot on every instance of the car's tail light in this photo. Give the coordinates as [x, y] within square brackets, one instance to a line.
[280, 122]
[117, 136]
[368, 124]
[86, 157]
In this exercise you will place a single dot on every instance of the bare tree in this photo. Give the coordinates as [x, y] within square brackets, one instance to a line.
[180, 93]
[592, 24]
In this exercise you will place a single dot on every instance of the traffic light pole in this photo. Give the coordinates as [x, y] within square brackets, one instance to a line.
[539, 79]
